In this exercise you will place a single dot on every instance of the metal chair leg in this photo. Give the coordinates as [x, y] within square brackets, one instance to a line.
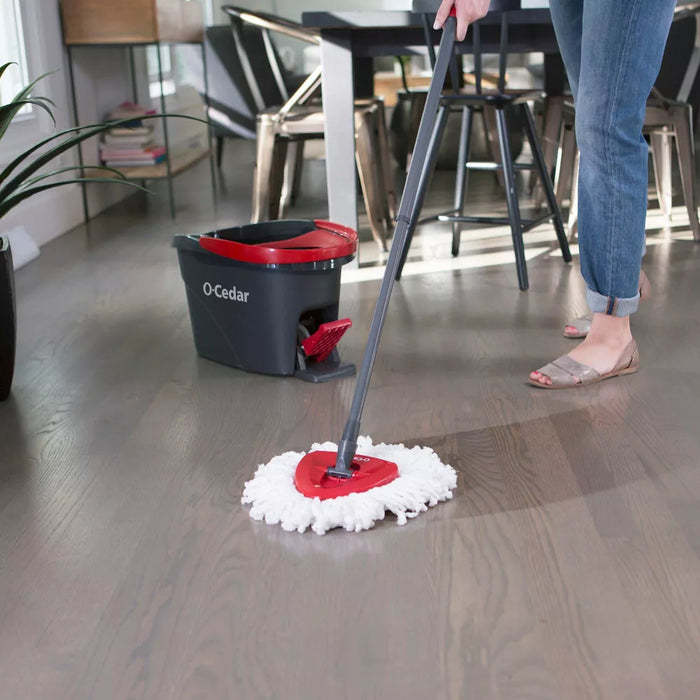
[365, 155]
[269, 171]
[540, 115]
[683, 124]
[572, 224]
[387, 172]
[564, 171]
[661, 149]
[546, 181]
[554, 108]
[288, 177]
[462, 174]
[417, 104]
[512, 199]
[426, 171]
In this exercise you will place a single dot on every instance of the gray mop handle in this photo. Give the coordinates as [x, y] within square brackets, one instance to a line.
[404, 224]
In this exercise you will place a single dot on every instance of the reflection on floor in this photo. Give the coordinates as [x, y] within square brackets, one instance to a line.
[567, 565]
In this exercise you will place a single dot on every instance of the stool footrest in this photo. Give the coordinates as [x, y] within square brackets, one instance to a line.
[526, 224]
[487, 165]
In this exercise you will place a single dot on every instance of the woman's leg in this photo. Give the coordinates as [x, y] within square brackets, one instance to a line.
[621, 50]
[622, 44]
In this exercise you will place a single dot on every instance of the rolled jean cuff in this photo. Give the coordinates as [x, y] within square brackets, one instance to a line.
[612, 306]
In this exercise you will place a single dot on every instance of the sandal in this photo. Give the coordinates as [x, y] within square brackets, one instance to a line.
[581, 326]
[567, 373]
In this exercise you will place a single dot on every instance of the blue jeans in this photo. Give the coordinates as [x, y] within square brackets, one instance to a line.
[612, 50]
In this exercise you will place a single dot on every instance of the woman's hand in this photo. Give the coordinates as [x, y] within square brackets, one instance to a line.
[467, 11]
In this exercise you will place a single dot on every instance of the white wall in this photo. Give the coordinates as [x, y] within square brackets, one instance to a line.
[102, 81]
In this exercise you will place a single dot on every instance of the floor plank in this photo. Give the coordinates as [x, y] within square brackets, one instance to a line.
[566, 566]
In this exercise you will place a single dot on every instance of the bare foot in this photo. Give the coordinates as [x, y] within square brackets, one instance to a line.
[602, 349]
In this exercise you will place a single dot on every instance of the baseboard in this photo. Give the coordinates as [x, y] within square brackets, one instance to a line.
[53, 213]
[48, 215]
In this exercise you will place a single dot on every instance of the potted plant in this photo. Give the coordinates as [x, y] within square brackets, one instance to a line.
[24, 177]
[7, 318]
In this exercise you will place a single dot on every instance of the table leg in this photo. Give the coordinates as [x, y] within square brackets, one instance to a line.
[338, 105]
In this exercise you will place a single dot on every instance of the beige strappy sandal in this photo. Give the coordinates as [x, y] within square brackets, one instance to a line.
[582, 325]
[567, 373]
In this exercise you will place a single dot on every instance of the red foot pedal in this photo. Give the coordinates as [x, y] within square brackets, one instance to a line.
[320, 344]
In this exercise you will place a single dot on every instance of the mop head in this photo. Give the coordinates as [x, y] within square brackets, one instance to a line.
[423, 481]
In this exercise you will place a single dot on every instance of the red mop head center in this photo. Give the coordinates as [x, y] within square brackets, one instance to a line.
[312, 480]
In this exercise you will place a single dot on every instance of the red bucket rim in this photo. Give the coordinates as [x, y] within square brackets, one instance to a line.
[341, 245]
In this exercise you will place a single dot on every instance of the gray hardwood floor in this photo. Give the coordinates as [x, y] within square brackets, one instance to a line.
[567, 566]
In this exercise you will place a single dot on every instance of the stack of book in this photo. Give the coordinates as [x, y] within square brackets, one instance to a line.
[130, 144]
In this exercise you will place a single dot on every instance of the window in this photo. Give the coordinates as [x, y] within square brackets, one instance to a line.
[12, 49]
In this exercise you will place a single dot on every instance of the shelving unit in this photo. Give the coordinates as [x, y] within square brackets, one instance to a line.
[170, 168]
[130, 24]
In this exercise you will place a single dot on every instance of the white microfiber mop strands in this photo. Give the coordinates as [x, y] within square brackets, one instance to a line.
[423, 481]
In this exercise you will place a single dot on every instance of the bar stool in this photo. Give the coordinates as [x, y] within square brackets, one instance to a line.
[497, 100]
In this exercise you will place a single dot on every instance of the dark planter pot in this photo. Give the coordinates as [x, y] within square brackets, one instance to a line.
[447, 155]
[8, 312]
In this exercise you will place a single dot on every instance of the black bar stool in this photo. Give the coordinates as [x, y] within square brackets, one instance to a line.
[498, 100]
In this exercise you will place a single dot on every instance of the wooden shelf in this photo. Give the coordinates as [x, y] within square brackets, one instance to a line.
[178, 163]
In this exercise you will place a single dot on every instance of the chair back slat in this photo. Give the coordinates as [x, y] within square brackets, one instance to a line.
[501, 6]
[232, 107]
[244, 59]
[427, 35]
[274, 64]
[476, 40]
[264, 75]
[503, 53]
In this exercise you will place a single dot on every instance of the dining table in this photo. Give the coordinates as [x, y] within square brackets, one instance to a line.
[351, 40]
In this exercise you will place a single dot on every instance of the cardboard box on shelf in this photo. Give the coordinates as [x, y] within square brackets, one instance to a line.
[130, 21]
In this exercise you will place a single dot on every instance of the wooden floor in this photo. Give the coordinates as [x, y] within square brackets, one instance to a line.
[567, 565]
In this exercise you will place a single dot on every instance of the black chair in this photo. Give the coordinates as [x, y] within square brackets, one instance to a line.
[233, 107]
[500, 101]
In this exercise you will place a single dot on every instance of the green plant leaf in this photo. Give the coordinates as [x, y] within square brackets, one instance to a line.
[22, 98]
[5, 66]
[47, 157]
[37, 146]
[27, 89]
[19, 196]
[9, 111]
[71, 168]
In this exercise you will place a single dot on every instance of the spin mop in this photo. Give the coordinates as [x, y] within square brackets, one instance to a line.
[353, 484]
